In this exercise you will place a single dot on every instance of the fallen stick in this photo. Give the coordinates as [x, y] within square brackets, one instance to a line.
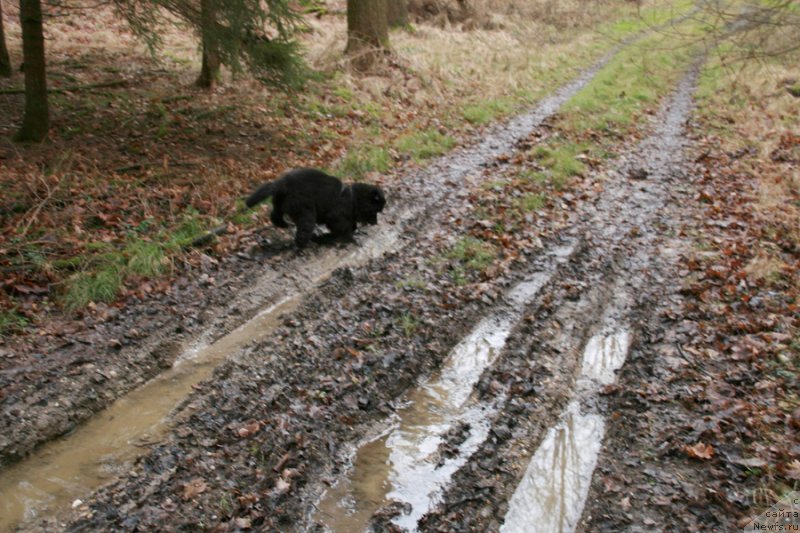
[103, 85]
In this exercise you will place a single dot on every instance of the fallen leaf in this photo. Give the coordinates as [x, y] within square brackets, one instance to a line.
[281, 486]
[700, 451]
[248, 429]
[242, 523]
[194, 488]
[793, 470]
[751, 462]
[625, 503]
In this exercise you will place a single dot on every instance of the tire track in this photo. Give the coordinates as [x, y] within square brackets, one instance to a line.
[459, 169]
[625, 272]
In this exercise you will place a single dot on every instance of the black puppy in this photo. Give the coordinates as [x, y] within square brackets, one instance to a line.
[311, 197]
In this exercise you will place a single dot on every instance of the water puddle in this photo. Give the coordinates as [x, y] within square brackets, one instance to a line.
[102, 447]
[98, 450]
[604, 355]
[553, 490]
[405, 464]
[550, 496]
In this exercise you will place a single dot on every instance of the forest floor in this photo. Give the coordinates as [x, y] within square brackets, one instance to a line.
[589, 302]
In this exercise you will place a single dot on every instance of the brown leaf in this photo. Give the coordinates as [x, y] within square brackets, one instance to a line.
[281, 486]
[793, 470]
[625, 503]
[242, 523]
[23, 288]
[248, 429]
[700, 451]
[193, 488]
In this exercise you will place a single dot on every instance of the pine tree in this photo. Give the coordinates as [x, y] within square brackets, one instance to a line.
[209, 71]
[253, 35]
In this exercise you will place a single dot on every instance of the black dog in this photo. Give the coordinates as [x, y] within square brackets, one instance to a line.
[311, 197]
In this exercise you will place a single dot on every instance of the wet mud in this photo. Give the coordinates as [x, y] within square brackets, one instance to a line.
[367, 402]
[49, 409]
[628, 231]
[407, 466]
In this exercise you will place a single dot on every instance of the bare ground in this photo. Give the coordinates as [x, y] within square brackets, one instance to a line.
[257, 445]
[250, 447]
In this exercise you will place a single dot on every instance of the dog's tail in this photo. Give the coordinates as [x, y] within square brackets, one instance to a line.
[261, 194]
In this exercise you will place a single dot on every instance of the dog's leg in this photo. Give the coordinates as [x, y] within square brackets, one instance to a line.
[306, 222]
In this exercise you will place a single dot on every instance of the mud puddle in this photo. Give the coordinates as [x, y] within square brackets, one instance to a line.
[557, 479]
[553, 490]
[406, 464]
[36, 484]
[73, 465]
[70, 467]
[545, 489]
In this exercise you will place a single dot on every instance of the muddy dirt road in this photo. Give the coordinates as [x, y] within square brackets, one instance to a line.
[230, 304]
[371, 388]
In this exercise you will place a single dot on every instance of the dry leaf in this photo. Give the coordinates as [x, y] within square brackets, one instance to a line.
[242, 523]
[793, 470]
[193, 488]
[248, 429]
[700, 451]
[625, 503]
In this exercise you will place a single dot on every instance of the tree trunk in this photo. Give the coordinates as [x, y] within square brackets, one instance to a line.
[5, 62]
[209, 72]
[367, 32]
[36, 120]
[397, 12]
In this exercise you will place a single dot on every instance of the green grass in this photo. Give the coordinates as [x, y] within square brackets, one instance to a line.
[344, 93]
[103, 270]
[364, 159]
[647, 18]
[97, 285]
[560, 161]
[630, 83]
[146, 259]
[425, 144]
[474, 254]
[485, 112]
[409, 324]
[413, 283]
[531, 202]
[191, 227]
[10, 322]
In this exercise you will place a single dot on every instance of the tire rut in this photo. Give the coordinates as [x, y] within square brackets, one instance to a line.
[453, 173]
[628, 226]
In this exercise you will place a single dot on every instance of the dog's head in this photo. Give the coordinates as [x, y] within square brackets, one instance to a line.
[370, 201]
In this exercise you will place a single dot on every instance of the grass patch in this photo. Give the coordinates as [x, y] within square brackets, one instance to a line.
[97, 285]
[364, 159]
[631, 83]
[409, 324]
[531, 202]
[473, 254]
[11, 322]
[411, 283]
[560, 161]
[189, 229]
[102, 273]
[485, 112]
[147, 259]
[425, 144]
